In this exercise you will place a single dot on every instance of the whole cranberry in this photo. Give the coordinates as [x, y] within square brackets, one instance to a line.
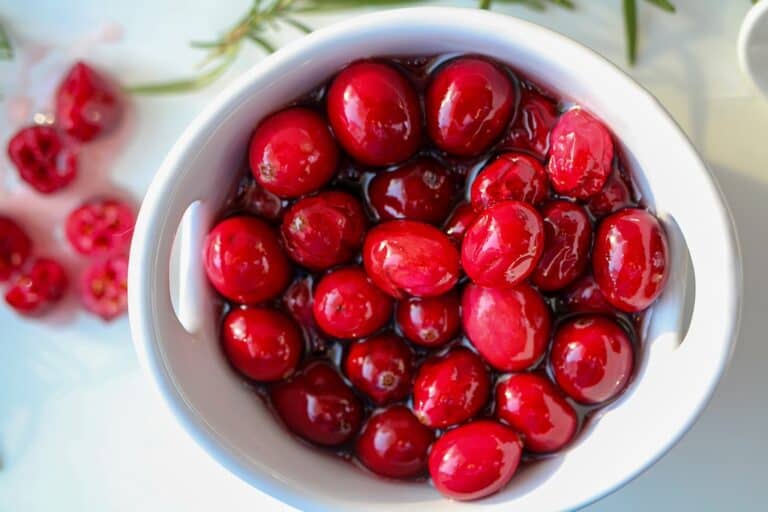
[15, 247]
[261, 343]
[394, 444]
[474, 460]
[630, 260]
[324, 230]
[293, 153]
[567, 240]
[381, 367]
[317, 405]
[408, 257]
[591, 358]
[34, 291]
[459, 221]
[429, 321]
[450, 388]
[580, 155]
[87, 103]
[503, 245]
[104, 287]
[297, 300]
[100, 226]
[509, 327]
[374, 111]
[244, 261]
[584, 296]
[348, 305]
[614, 196]
[536, 116]
[468, 102]
[512, 176]
[260, 202]
[420, 190]
[533, 406]
[44, 159]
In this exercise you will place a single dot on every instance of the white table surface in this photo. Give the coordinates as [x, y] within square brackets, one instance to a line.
[80, 428]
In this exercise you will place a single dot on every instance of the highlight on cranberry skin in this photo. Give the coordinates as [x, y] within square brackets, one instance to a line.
[459, 221]
[15, 247]
[536, 116]
[104, 287]
[45, 160]
[510, 177]
[430, 321]
[100, 226]
[38, 289]
[381, 367]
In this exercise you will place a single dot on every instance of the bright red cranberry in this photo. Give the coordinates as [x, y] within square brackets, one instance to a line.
[614, 196]
[450, 388]
[535, 119]
[263, 344]
[430, 321]
[509, 327]
[375, 113]
[15, 247]
[584, 296]
[44, 159]
[260, 202]
[381, 367]
[408, 257]
[503, 245]
[459, 221]
[87, 103]
[591, 358]
[512, 176]
[580, 155]
[104, 287]
[348, 305]
[420, 190]
[244, 261]
[324, 230]
[533, 406]
[469, 102]
[34, 291]
[474, 460]
[293, 153]
[567, 240]
[100, 226]
[317, 405]
[630, 259]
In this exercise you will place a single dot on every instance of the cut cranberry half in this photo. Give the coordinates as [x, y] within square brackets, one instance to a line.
[459, 221]
[614, 196]
[429, 321]
[584, 296]
[37, 289]
[381, 367]
[536, 116]
[104, 287]
[100, 226]
[512, 176]
[44, 159]
[88, 104]
[15, 247]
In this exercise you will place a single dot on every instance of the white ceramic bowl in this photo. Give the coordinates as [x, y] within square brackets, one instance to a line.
[679, 369]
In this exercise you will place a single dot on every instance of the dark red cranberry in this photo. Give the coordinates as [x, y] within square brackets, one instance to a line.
[512, 176]
[15, 247]
[450, 388]
[580, 155]
[614, 196]
[430, 321]
[297, 300]
[375, 113]
[567, 239]
[591, 358]
[348, 305]
[317, 405]
[533, 406]
[474, 460]
[44, 159]
[263, 344]
[244, 261]
[261, 202]
[36, 290]
[381, 367]
[584, 296]
[293, 153]
[394, 444]
[459, 221]
[630, 260]
[408, 257]
[324, 230]
[87, 103]
[420, 190]
[535, 119]
[469, 102]
[509, 327]
[104, 287]
[503, 245]
[100, 226]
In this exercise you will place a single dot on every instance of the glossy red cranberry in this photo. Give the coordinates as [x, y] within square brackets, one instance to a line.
[324, 230]
[44, 159]
[536, 116]
[260, 202]
[533, 406]
[348, 305]
[503, 245]
[584, 296]
[375, 113]
[567, 240]
[405, 257]
[591, 358]
[244, 261]
[459, 221]
[450, 388]
[104, 287]
[420, 190]
[580, 155]
[263, 344]
[630, 259]
[297, 300]
[100, 226]
[512, 176]
[293, 153]
[474, 460]
[317, 405]
[34, 291]
[468, 102]
[381, 367]
[429, 321]
[614, 196]
[88, 104]
[509, 327]
[15, 247]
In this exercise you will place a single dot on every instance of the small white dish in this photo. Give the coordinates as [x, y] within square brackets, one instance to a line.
[753, 46]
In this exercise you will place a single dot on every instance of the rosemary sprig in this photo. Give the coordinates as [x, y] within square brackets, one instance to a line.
[6, 50]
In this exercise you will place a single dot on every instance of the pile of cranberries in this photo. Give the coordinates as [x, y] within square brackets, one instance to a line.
[433, 267]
